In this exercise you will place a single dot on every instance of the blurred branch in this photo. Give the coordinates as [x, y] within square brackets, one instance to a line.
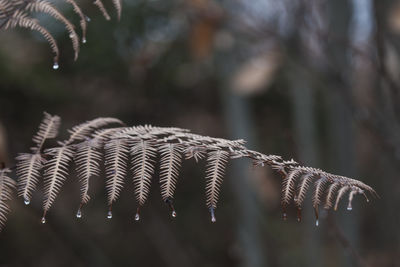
[344, 242]
[380, 48]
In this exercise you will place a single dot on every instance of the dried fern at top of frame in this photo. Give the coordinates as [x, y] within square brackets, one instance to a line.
[19, 13]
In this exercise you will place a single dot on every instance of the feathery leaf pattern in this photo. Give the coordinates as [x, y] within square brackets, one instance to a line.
[48, 128]
[28, 171]
[170, 162]
[18, 13]
[302, 188]
[87, 160]
[340, 194]
[330, 195]
[48, 8]
[29, 165]
[82, 18]
[141, 145]
[143, 154]
[56, 171]
[118, 6]
[216, 163]
[81, 131]
[7, 186]
[102, 9]
[116, 154]
[21, 19]
[288, 186]
[318, 191]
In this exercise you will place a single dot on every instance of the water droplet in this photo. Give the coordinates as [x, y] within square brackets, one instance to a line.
[55, 66]
[71, 35]
[349, 205]
[84, 40]
[169, 201]
[109, 214]
[316, 215]
[137, 217]
[27, 201]
[299, 214]
[43, 220]
[87, 18]
[284, 214]
[79, 214]
[213, 219]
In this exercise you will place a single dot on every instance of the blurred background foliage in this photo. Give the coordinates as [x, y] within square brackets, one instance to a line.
[313, 80]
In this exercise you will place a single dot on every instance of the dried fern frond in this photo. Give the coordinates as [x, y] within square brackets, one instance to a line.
[83, 130]
[56, 171]
[196, 152]
[216, 163]
[20, 19]
[7, 186]
[322, 180]
[288, 186]
[102, 9]
[29, 165]
[143, 153]
[319, 190]
[330, 193]
[141, 146]
[48, 8]
[103, 135]
[28, 172]
[82, 18]
[87, 159]
[118, 6]
[48, 128]
[354, 190]
[167, 134]
[170, 162]
[116, 161]
[302, 188]
[17, 13]
[340, 194]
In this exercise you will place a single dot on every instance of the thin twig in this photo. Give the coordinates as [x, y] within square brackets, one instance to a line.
[345, 243]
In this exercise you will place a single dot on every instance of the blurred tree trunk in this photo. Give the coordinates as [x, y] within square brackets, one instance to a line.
[240, 125]
[342, 161]
[304, 125]
[387, 97]
[340, 128]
